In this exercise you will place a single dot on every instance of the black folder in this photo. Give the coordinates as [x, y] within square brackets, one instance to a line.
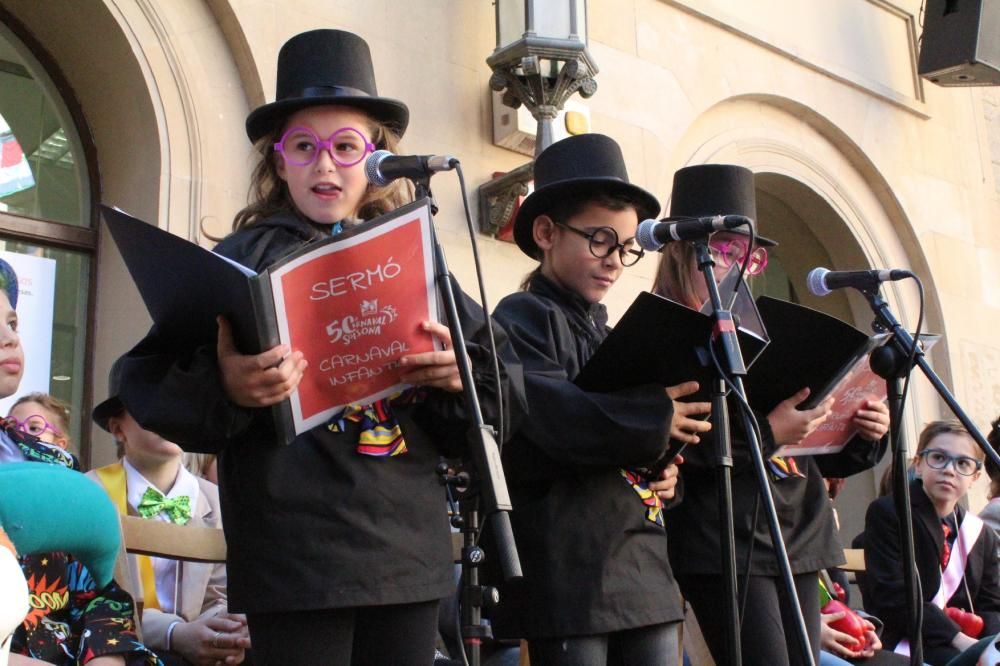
[663, 342]
[785, 347]
[808, 348]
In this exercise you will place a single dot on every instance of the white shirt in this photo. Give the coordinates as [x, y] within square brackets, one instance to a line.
[164, 570]
[9, 451]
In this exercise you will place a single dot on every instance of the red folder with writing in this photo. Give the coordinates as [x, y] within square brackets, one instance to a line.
[353, 304]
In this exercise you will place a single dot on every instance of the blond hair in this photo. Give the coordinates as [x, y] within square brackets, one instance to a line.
[673, 274]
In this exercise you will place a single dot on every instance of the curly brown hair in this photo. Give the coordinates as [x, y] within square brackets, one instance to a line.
[268, 194]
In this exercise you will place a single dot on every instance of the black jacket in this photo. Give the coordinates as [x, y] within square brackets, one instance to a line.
[802, 505]
[884, 591]
[592, 561]
[315, 524]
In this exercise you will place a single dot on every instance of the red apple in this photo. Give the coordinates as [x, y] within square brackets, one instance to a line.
[969, 623]
[851, 624]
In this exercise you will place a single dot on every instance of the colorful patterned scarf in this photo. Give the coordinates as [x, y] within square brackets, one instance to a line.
[34, 450]
[783, 467]
[640, 484]
[380, 434]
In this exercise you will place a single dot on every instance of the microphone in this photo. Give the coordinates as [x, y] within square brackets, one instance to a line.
[382, 167]
[822, 281]
[654, 234]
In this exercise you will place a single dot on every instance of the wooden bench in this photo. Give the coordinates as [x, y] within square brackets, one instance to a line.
[855, 560]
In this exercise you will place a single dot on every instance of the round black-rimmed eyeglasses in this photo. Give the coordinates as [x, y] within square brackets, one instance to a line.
[603, 241]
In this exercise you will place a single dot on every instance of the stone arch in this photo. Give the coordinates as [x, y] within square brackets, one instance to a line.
[809, 171]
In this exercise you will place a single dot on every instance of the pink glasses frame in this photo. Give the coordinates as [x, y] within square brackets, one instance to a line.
[323, 144]
[754, 267]
[23, 425]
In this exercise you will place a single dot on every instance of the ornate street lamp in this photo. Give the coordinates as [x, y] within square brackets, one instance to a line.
[541, 59]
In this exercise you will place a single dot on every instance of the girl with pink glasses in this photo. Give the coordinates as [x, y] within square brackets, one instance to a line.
[44, 416]
[338, 552]
[797, 483]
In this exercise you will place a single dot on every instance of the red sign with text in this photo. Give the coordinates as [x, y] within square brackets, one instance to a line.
[354, 308]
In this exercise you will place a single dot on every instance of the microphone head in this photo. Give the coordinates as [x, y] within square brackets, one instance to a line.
[372, 171]
[645, 237]
[816, 281]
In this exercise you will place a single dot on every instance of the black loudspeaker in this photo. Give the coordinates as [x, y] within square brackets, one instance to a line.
[961, 43]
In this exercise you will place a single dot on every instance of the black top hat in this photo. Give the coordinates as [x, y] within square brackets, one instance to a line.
[113, 406]
[326, 67]
[578, 165]
[704, 190]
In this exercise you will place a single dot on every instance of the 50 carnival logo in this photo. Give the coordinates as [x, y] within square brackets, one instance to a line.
[370, 322]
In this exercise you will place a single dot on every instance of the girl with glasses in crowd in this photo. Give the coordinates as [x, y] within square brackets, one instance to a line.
[767, 632]
[954, 551]
[43, 416]
[588, 519]
[338, 551]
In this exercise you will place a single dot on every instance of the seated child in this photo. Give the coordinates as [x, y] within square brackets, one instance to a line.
[43, 416]
[955, 553]
[184, 610]
[94, 624]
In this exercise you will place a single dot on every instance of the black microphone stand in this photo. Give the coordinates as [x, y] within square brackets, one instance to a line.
[732, 365]
[485, 456]
[903, 341]
[889, 362]
[892, 364]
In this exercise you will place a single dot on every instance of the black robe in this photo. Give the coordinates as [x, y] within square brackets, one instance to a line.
[315, 524]
[593, 562]
[802, 504]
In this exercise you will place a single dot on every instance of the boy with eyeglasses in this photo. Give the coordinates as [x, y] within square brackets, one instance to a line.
[955, 552]
[597, 586]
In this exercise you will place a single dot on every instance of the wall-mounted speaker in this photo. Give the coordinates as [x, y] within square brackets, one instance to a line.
[960, 45]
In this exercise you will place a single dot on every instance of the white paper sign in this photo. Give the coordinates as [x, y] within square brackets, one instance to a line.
[36, 279]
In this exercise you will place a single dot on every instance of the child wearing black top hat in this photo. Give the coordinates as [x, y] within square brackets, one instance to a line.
[797, 484]
[336, 555]
[597, 585]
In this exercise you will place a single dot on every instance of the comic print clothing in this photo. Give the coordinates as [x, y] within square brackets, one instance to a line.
[70, 621]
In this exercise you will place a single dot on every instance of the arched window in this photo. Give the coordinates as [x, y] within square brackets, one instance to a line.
[47, 222]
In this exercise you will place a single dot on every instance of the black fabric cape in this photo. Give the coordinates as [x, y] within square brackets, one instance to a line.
[592, 561]
[802, 505]
[884, 590]
[315, 524]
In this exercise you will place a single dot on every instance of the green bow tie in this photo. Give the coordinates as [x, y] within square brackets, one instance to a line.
[153, 502]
